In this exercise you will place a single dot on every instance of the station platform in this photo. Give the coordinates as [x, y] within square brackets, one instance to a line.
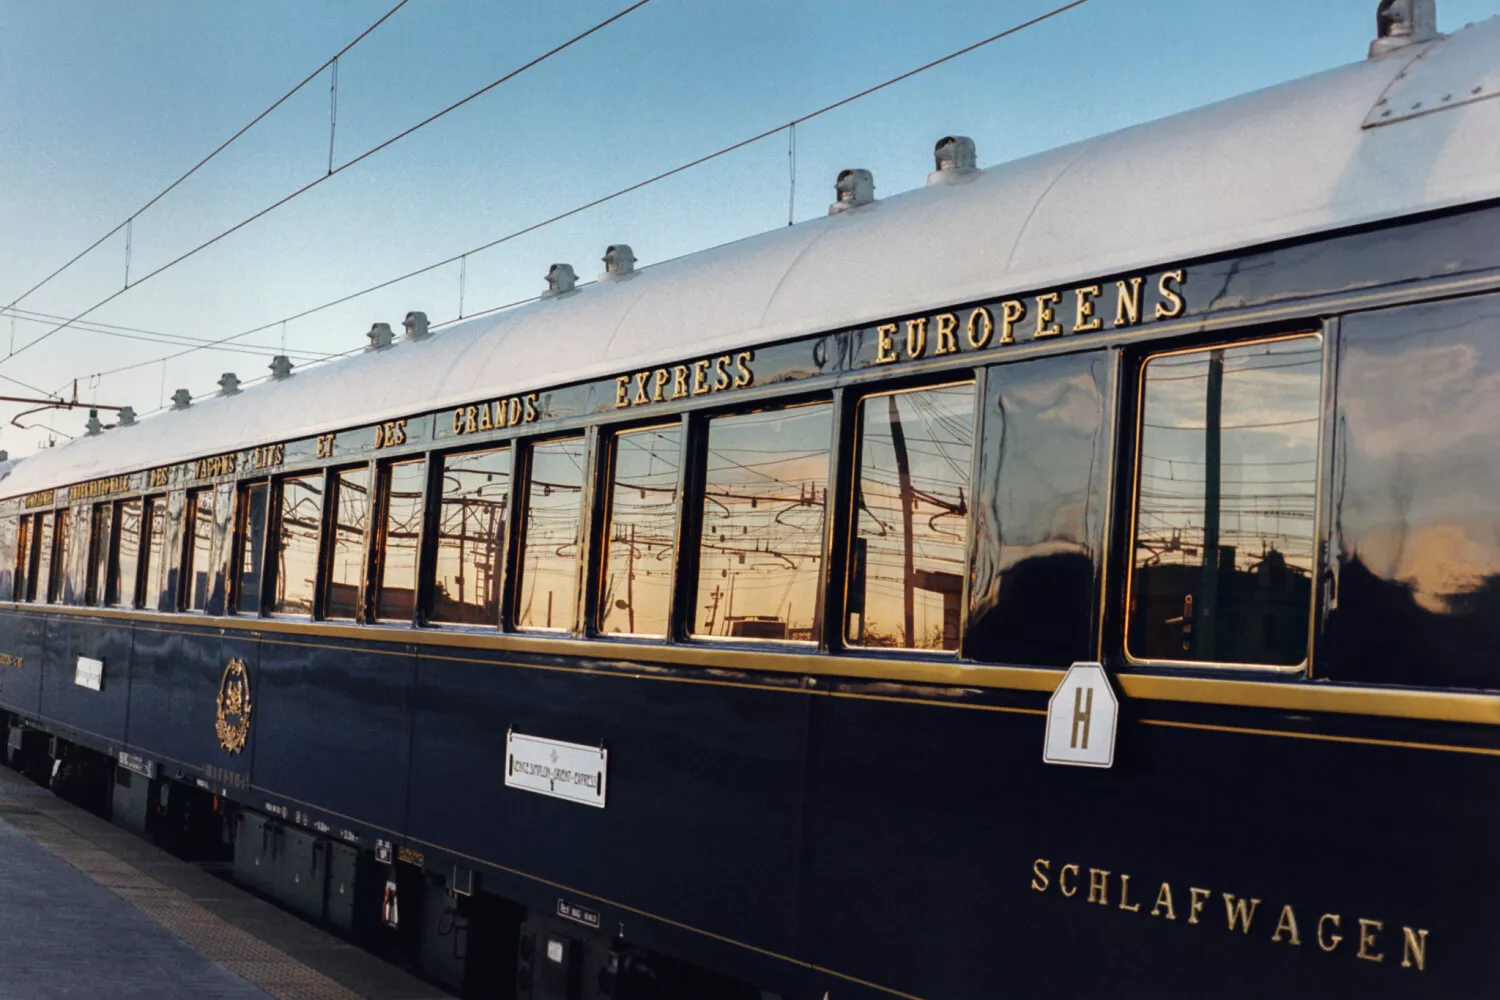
[90, 910]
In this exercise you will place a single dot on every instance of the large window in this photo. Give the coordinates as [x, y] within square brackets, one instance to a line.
[548, 594]
[346, 565]
[23, 557]
[471, 537]
[636, 596]
[911, 506]
[764, 502]
[405, 483]
[251, 532]
[298, 524]
[120, 590]
[54, 555]
[154, 572]
[197, 567]
[1222, 563]
[101, 528]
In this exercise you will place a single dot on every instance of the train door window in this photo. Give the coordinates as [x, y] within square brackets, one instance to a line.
[154, 551]
[764, 503]
[59, 556]
[548, 594]
[1221, 566]
[636, 598]
[76, 559]
[471, 537]
[10, 532]
[298, 526]
[197, 564]
[346, 549]
[251, 532]
[405, 485]
[101, 527]
[120, 588]
[23, 557]
[911, 507]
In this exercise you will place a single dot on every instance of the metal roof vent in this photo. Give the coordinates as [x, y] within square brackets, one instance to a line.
[854, 188]
[95, 428]
[415, 325]
[954, 157]
[619, 260]
[229, 384]
[4, 455]
[181, 399]
[127, 416]
[281, 367]
[1399, 23]
[561, 280]
[380, 336]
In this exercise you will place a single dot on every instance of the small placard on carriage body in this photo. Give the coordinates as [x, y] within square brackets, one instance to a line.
[89, 673]
[569, 771]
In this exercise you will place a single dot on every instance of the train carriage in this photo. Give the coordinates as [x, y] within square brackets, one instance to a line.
[692, 632]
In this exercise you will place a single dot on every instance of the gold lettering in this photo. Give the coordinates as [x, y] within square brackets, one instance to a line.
[469, 425]
[1196, 898]
[530, 406]
[1062, 880]
[640, 388]
[700, 378]
[1099, 883]
[502, 417]
[742, 362]
[1086, 321]
[1082, 716]
[947, 324]
[885, 350]
[916, 337]
[513, 411]
[1288, 923]
[622, 392]
[1414, 946]
[659, 380]
[679, 381]
[1164, 310]
[1366, 939]
[1012, 311]
[1128, 302]
[486, 421]
[1040, 867]
[721, 372]
[380, 435]
[1125, 895]
[1045, 305]
[1333, 939]
[1235, 911]
[981, 326]
[1164, 898]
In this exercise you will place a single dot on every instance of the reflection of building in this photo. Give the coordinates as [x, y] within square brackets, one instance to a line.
[756, 627]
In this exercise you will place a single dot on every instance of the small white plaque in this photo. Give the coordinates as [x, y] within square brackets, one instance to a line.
[89, 674]
[1081, 719]
[551, 767]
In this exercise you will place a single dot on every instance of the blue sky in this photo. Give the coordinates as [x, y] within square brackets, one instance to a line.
[102, 104]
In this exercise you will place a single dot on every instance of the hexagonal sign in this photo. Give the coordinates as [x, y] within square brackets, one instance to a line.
[1081, 719]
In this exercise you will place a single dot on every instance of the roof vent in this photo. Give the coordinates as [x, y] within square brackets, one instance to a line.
[854, 188]
[229, 384]
[415, 325]
[127, 416]
[1399, 23]
[619, 260]
[380, 336]
[560, 280]
[4, 455]
[95, 428]
[181, 399]
[954, 158]
[281, 367]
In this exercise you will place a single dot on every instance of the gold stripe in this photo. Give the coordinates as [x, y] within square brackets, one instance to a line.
[939, 704]
[1316, 696]
[1323, 737]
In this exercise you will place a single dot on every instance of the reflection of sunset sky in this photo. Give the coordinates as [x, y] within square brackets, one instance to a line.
[471, 535]
[642, 526]
[549, 560]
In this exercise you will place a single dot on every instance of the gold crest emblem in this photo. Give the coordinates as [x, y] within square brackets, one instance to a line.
[233, 725]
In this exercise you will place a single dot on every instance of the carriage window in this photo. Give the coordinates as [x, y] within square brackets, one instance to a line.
[907, 564]
[120, 589]
[346, 566]
[62, 537]
[297, 527]
[637, 594]
[471, 537]
[23, 557]
[101, 527]
[764, 499]
[154, 572]
[405, 484]
[251, 531]
[548, 595]
[198, 567]
[1222, 565]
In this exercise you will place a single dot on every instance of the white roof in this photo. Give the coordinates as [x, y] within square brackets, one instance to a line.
[1283, 162]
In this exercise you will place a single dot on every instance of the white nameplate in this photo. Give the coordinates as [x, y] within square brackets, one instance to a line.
[551, 767]
[89, 674]
[1081, 719]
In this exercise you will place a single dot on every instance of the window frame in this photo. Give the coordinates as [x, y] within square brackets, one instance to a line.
[112, 565]
[522, 465]
[437, 463]
[374, 553]
[241, 537]
[187, 563]
[271, 572]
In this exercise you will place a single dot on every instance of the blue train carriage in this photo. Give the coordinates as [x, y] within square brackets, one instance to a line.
[692, 632]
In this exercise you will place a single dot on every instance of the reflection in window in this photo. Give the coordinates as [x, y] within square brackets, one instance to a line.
[471, 537]
[297, 544]
[906, 568]
[101, 524]
[548, 597]
[41, 559]
[120, 590]
[199, 566]
[765, 495]
[346, 565]
[154, 573]
[23, 557]
[252, 534]
[60, 551]
[1223, 556]
[405, 484]
[637, 594]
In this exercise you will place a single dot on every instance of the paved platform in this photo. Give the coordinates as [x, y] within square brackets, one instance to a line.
[89, 910]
